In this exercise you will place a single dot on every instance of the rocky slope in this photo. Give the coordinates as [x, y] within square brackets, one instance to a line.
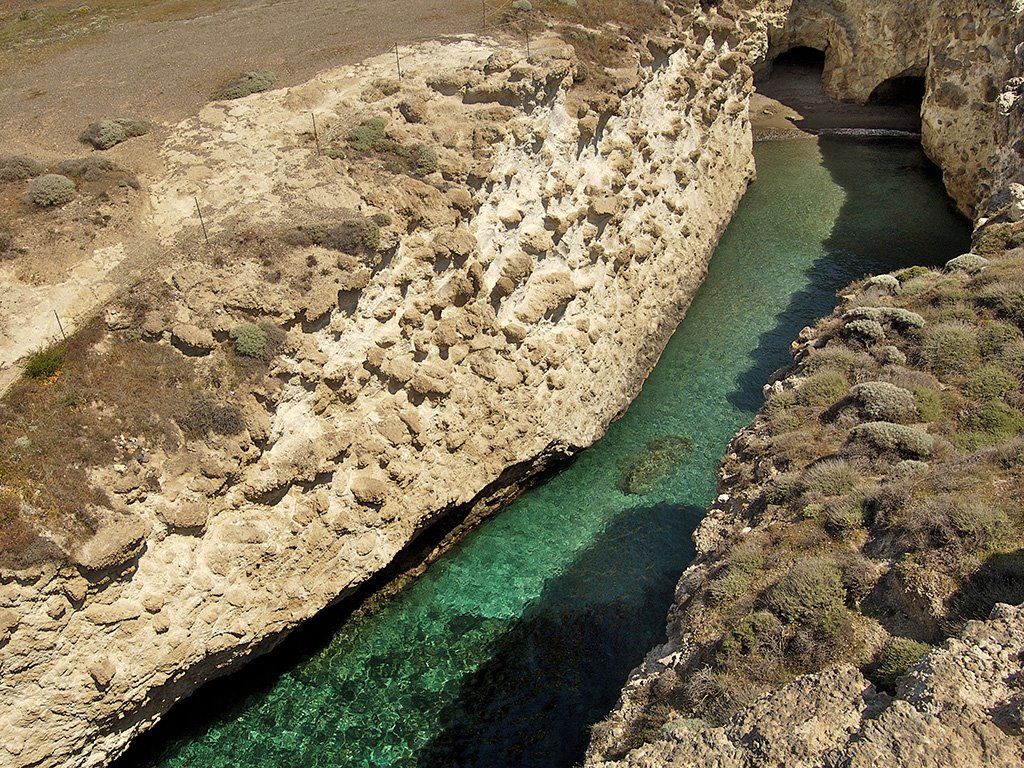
[870, 509]
[469, 277]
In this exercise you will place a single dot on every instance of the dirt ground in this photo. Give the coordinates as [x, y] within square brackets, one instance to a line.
[165, 70]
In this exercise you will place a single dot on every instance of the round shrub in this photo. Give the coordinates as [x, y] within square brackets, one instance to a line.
[997, 421]
[882, 401]
[908, 274]
[902, 318]
[990, 382]
[204, 416]
[822, 389]
[811, 593]
[249, 339]
[836, 358]
[896, 659]
[423, 159]
[844, 515]
[995, 336]
[19, 168]
[890, 355]
[104, 134]
[909, 468]
[50, 190]
[757, 635]
[894, 438]
[90, 168]
[979, 524]
[949, 349]
[968, 262]
[886, 282]
[248, 83]
[352, 236]
[864, 330]
[1005, 297]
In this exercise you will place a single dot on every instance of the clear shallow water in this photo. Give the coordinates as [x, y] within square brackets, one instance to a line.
[520, 637]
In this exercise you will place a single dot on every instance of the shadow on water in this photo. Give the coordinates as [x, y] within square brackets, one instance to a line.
[532, 703]
[893, 219]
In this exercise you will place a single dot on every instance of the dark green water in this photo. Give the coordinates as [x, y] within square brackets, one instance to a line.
[510, 646]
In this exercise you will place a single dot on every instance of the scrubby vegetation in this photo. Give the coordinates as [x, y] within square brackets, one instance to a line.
[44, 363]
[104, 134]
[51, 190]
[881, 486]
[371, 137]
[247, 83]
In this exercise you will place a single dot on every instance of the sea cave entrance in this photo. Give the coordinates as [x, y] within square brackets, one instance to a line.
[902, 91]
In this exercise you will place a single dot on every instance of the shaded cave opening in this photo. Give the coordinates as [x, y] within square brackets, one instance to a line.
[902, 91]
[802, 60]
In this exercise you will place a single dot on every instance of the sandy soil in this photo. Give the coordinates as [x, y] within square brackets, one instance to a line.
[163, 71]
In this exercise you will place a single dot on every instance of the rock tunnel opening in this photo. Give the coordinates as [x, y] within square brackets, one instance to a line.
[803, 59]
[903, 91]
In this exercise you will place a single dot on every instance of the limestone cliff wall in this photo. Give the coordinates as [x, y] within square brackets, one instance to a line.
[528, 288]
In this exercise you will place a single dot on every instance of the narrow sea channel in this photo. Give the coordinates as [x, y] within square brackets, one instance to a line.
[509, 647]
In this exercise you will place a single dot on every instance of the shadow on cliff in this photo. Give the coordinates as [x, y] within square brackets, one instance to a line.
[1000, 579]
[886, 222]
[560, 668]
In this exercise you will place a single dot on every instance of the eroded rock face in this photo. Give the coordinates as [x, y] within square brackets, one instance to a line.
[511, 305]
[960, 706]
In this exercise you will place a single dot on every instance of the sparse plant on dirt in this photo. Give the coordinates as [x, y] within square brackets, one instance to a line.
[203, 416]
[248, 83]
[423, 159]
[45, 362]
[104, 134]
[51, 190]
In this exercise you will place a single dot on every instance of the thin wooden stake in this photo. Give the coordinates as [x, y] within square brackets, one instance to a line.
[398, 61]
[61, 326]
[527, 44]
[201, 222]
[483, 9]
[316, 134]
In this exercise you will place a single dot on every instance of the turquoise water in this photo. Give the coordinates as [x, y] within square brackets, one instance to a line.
[520, 637]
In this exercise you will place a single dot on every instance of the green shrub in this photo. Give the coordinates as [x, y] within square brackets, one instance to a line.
[1006, 298]
[50, 190]
[423, 160]
[896, 659]
[370, 136]
[928, 403]
[890, 355]
[44, 362]
[757, 636]
[822, 389]
[104, 134]
[844, 514]
[882, 401]
[989, 382]
[248, 83]
[909, 468]
[352, 236]
[204, 416]
[249, 339]
[970, 263]
[19, 168]
[836, 358]
[728, 586]
[832, 477]
[996, 422]
[908, 274]
[894, 438]
[995, 238]
[811, 593]
[995, 336]
[903, 319]
[868, 331]
[747, 557]
[949, 349]
[979, 524]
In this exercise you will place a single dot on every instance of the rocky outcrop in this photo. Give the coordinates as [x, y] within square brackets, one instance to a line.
[962, 705]
[451, 329]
